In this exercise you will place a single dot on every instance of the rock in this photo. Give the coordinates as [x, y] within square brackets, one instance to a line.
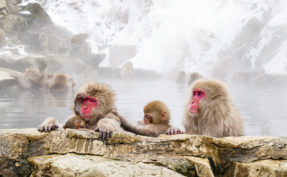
[6, 77]
[87, 165]
[2, 37]
[272, 168]
[75, 152]
[40, 16]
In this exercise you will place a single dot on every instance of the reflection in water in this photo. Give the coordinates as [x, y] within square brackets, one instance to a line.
[263, 110]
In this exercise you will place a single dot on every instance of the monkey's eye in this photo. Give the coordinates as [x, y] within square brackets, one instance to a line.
[199, 93]
[92, 100]
[194, 93]
[148, 116]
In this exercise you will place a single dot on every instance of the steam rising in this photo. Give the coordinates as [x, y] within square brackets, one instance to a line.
[183, 35]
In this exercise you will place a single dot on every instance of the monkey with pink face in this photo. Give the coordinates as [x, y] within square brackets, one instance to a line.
[210, 111]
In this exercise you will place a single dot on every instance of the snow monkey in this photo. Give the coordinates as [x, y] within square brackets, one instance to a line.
[193, 77]
[210, 111]
[156, 120]
[94, 107]
[60, 83]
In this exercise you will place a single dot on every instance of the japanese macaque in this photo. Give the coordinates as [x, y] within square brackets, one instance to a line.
[210, 111]
[181, 77]
[75, 122]
[94, 108]
[32, 78]
[156, 120]
[127, 71]
[60, 83]
[193, 77]
[78, 46]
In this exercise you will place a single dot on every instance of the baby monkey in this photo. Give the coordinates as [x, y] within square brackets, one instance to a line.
[156, 120]
[75, 122]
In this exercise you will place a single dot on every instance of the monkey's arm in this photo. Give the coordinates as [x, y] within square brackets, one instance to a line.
[140, 123]
[49, 124]
[146, 130]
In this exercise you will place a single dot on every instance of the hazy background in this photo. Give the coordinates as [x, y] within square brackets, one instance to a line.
[214, 37]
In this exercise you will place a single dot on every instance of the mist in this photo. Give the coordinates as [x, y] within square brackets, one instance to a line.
[242, 43]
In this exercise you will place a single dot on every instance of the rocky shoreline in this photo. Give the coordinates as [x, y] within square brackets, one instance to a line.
[27, 152]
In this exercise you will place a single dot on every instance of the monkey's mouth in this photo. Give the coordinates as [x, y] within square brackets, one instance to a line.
[86, 116]
[193, 111]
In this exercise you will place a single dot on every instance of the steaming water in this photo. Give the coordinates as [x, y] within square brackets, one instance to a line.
[263, 111]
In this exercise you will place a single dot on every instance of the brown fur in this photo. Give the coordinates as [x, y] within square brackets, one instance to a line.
[160, 120]
[31, 78]
[217, 114]
[193, 77]
[104, 118]
[75, 122]
[59, 83]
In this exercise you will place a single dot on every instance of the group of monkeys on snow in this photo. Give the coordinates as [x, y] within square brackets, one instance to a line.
[209, 111]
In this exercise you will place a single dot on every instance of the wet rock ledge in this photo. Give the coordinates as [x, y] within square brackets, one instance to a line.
[27, 152]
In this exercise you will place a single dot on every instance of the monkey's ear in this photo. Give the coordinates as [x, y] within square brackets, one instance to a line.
[163, 115]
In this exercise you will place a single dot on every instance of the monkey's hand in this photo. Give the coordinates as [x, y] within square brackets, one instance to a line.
[106, 127]
[173, 131]
[49, 124]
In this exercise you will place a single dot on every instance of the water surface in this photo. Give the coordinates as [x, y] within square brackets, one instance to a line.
[263, 110]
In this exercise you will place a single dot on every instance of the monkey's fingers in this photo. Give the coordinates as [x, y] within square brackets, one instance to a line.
[40, 129]
[105, 134]
[54, 127]
[173, 131]
[169, 131]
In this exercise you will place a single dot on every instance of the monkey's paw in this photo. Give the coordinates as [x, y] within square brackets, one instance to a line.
[173, 131]
[104, 133]
[48, 125]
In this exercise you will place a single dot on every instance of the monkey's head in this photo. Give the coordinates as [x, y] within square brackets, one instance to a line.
[94, 100]
[204, 93]
[156, 112]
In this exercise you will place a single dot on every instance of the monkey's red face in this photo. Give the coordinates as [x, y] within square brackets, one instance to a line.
[87, 106]
[197, 95]
[147, 119]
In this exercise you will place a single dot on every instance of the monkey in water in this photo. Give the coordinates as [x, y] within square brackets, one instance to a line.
[156, 120]
[94, 107]
[210, 111]
[60, 83]
[193, 77]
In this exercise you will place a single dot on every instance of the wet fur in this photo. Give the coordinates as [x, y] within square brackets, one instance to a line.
[103, 119]
[154, 129]
[217, 115]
